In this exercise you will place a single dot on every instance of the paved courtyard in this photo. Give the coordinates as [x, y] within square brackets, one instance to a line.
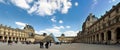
[74, 46]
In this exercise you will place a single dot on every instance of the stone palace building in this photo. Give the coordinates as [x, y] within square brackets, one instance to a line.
[105, 30]
[27, 34]
[8, 33]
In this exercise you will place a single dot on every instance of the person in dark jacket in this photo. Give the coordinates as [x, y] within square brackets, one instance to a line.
[47, 45]
[41, 44]
[9, 42]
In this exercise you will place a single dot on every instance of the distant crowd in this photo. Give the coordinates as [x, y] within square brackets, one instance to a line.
[42, 44]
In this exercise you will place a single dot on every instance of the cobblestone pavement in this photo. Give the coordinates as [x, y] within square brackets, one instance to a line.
[74, 46]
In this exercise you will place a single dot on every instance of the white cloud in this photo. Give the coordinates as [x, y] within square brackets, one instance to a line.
[68, 26]
[110, 1]
[41, 32]
[56, 30]
[53, 19]
[60, 27]
[20, 24]
[29, 1]
[71, 33]
[49, 7]
[66, 5]
[95, 2]
[2, 1]
[60, 21]
[76, 3]
[53, 30]
[42, 7]
[24, 4]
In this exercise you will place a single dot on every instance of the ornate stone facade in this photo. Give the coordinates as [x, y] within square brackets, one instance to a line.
[105, 30]
[26, 34]
[8, 33]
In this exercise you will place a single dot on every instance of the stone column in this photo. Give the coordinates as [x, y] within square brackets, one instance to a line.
[113, 37]
[105, 37]
[15, 38]
[95, 38]
[3, 38]
[100, 38]
[88, 39]
[7, 38]
[92, 39]
[12, 38]
[23, 39]
[18, 39]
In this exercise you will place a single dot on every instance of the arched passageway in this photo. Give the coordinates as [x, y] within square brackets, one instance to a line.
[97, 37]
[118, 34]
[1, 38]
[109, 35]
[102, 36]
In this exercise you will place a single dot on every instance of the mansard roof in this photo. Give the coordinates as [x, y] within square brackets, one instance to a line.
[28, 27]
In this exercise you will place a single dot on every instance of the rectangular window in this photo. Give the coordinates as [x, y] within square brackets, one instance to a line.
[117, 19]
[114, 20]
[109, 16]
[117, 10]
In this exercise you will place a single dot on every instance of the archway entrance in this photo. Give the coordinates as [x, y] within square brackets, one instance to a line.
[109, 35]
[118, 34]
[97, 37]
[0, 38]
[16, 39]
[9, 38]
[102, 36]
[13, 38]
[5, 39]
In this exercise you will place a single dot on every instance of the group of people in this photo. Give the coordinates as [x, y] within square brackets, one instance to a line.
[46, 45]
[10, 42]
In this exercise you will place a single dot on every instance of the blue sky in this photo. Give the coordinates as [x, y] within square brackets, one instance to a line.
[52, 16]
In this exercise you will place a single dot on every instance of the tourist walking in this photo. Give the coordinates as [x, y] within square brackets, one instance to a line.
[9, 42]
[47, 45]
[41, 44]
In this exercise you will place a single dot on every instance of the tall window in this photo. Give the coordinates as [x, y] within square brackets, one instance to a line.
[109, 16]
[117, 10]
[9, 33]
[4, 33]
[104, 25]
[114, 20]
[117, 19]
